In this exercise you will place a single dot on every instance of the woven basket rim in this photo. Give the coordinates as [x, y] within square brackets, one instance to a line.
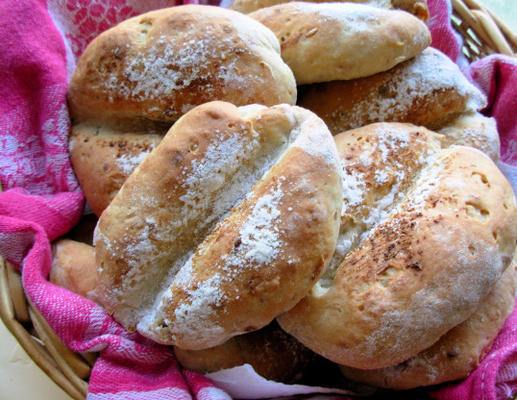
[483, 32]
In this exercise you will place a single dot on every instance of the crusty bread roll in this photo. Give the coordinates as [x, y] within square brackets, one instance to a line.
[425, 233]
[474, 130]
[73, 267]
[149, 70]
[415, 7]
[226, 224]
[457, 353]
[103, 162]
[104, 158]
[271, 352]
[428, 90]
[323, 42]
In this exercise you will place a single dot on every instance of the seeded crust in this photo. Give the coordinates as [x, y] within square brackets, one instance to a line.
[415, 7]
[225, 225]
[103, 158]
[419, 247]
[458, 352]
[149, 70]
[271, 352]
[339, 41]
[428, 90]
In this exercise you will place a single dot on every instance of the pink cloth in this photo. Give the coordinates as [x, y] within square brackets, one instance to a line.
[39, 42]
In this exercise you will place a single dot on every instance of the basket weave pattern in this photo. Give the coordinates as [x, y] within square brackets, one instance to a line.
[483, 33]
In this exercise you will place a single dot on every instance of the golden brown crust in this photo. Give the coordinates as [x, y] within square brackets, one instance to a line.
[458, 352]
[271, 352]
[415, 7]
[330, 41]
[428, 90]
[153, 68]
[192, 251]
[103, 159]
[474, 130]
[419, 263]
[73, 267]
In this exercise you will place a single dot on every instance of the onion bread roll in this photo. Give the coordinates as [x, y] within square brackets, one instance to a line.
[323, 42]
[458, 352]
[428, 90]
[425, 233]
[227, 223]
[415, 7]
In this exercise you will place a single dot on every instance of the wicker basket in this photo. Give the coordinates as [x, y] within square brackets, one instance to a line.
[483, 32]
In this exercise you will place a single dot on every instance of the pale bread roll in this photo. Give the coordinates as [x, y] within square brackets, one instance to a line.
[415, 7]
[73, 267]
[323, 42]
[425, 233]
[149, 70]
[271, 352]
[103, 158]
[428, 90]
[474, 130]
[458, 352]
[225, 225]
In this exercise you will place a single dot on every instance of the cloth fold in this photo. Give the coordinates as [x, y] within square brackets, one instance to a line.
[39, 43]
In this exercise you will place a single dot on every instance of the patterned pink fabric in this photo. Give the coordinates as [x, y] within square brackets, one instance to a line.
[39, 42]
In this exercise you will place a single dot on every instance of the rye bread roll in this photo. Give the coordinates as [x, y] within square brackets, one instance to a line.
[271, 352]
[458, 352]
[151, 69]
[428, 90]
[415, 7]
[323, 42]
[425, 233]
[225, 225]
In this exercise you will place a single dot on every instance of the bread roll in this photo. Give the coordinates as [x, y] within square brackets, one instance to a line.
[474, 130]
[73, 267]
[329, 41]
[225, 225]
[428, 90]
[425, 233]
[103, 158]
[457, 353]
[415, 7]
[149, 70]
[271, 352]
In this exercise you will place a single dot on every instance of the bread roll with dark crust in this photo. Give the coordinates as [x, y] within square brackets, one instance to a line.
[425, 233]
[428, 90]
[323, 42]
[271, 352]
[226, 224]
[457, 353]
[149, 70]
[103, 158]
[415, 7]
